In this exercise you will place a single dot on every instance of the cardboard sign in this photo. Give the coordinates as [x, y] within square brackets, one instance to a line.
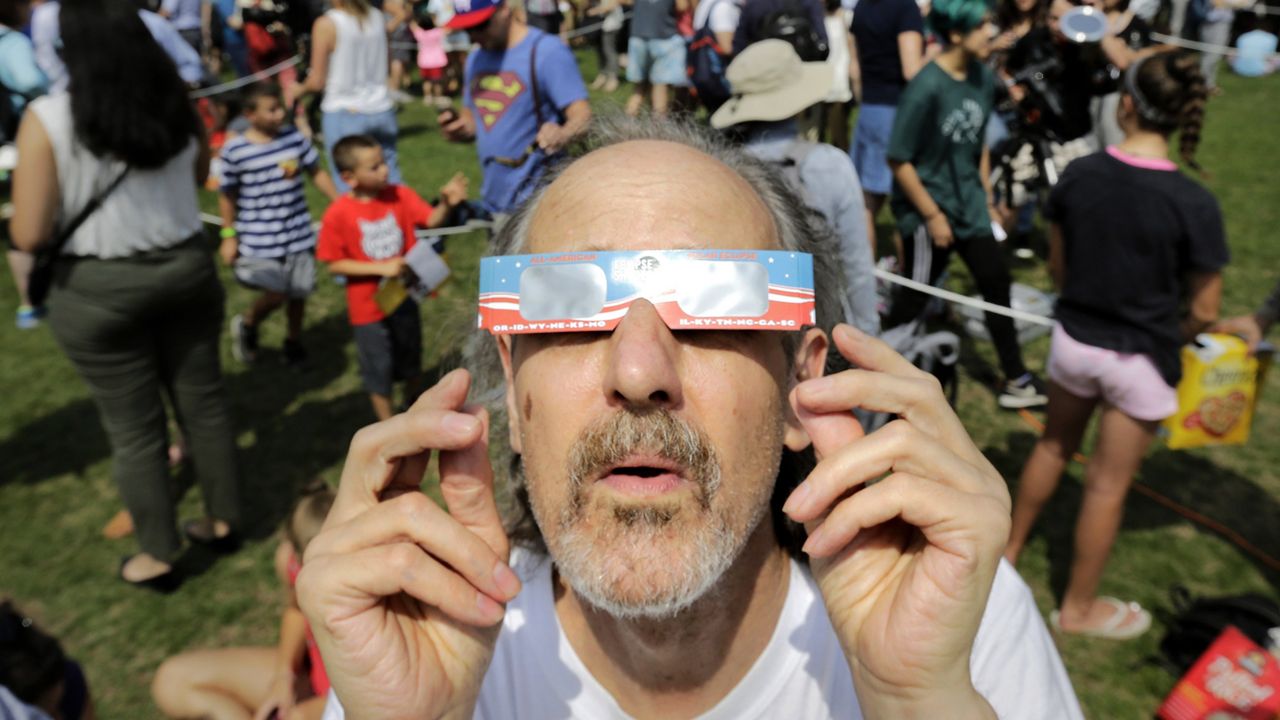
[1234, 679]
[1216, 397]
[427, 271]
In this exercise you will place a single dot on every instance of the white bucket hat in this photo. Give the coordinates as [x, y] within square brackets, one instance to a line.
[771, 83]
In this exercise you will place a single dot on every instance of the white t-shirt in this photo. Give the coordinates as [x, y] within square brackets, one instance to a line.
[722, 14]
[802, 672]
[150, 210]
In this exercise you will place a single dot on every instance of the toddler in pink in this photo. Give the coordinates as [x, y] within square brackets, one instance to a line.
[432, 59]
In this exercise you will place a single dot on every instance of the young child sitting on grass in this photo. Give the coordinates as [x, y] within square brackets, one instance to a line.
[365, 236]
[283, 682]
[266, 228]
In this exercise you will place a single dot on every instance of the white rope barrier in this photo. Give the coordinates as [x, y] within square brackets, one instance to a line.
[885, 275]
[574, 33]
[1202, 47]
[247, 79]
[962, 299]
[469, 227]
[286, 64]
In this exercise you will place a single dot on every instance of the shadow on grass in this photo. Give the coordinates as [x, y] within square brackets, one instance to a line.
[1226, 497]
[288, 447]
[415, 129]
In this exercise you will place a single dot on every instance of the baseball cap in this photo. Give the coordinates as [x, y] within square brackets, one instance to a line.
[470, 13]
[771, 83]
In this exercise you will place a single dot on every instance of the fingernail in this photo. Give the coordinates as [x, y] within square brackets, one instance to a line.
[490, 611]
[798, 498]
[819, 384]
[814, 542]
[507, 581]
[460, 423]
[850, 331]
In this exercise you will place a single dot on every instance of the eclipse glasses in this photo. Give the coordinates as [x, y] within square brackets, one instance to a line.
[689, 289]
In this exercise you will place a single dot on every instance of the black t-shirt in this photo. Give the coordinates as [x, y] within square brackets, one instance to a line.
[876, 27]
[1131, 235]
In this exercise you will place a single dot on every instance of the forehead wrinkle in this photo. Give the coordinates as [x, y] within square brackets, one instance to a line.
[647, 188]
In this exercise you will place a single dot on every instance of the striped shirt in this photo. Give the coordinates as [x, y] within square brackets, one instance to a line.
[272, 219]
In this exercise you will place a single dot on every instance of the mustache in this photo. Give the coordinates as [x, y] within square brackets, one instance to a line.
[627, 433]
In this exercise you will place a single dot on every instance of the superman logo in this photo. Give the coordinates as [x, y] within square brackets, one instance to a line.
[493, 95]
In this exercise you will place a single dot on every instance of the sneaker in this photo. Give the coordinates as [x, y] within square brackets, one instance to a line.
[27, 317]
[1027, 391]
[294, 354]
[244, 340]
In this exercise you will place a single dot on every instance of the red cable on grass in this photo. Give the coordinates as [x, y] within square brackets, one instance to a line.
[1231, 535]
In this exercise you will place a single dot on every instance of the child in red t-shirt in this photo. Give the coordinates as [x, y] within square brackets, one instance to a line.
[365, 235]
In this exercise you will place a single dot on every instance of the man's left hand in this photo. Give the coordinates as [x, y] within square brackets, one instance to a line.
[906, 529]
[552, 138]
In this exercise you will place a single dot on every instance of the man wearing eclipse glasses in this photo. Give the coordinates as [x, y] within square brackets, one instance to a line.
[660, 310]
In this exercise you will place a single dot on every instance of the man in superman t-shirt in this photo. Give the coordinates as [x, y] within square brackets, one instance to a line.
[515, 136]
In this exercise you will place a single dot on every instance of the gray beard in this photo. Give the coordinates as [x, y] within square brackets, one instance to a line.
[593, 565]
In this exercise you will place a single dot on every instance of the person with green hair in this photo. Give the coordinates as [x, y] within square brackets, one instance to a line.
[942, 190]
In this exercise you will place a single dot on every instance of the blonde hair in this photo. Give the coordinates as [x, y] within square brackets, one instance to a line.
[359, 8]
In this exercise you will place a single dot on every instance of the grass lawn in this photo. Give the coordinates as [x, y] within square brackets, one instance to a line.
[56, 490]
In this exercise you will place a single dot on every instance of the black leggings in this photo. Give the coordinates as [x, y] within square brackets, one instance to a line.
[925, 262]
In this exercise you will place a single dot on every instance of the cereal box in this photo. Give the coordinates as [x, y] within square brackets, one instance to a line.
[1234, 679]
[1220, 383]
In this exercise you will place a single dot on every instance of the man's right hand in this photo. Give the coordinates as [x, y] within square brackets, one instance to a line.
[404, 598]
[457, 126]
[393, 267]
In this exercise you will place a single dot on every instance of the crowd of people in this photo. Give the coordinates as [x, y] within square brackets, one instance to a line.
[695, 490]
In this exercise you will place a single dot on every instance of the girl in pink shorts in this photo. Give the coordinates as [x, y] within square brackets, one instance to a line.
[1130, 238]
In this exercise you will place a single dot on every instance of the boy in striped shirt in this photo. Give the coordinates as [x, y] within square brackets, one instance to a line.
[266, 227]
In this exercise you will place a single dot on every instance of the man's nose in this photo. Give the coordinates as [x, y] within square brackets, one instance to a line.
[643, 360]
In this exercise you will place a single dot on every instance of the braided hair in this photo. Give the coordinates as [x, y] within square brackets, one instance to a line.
[1170, 93]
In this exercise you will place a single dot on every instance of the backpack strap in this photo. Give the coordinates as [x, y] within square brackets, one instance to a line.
[533, 81]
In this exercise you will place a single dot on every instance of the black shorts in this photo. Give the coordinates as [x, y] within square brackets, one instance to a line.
[390, 349]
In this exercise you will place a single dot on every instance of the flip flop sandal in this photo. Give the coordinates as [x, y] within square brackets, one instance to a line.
[1127, 622]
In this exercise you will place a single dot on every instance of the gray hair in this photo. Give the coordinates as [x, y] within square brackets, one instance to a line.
[798, 228]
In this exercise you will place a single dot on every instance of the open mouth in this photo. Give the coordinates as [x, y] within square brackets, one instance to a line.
[644, 476]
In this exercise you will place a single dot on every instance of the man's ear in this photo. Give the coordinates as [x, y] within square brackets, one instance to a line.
[809, 361]
[506, 349]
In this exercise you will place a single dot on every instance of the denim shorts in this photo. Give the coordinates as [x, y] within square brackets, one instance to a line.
[293, 275]
[380, 126]
[656, 61]
[870, 145]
